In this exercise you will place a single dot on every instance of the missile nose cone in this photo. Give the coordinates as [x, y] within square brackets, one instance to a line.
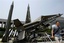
[13, 3]
[60, 14]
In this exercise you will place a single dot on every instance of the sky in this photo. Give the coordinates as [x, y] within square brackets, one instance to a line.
[37, 8]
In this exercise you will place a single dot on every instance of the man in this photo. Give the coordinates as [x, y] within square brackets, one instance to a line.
[56, 32]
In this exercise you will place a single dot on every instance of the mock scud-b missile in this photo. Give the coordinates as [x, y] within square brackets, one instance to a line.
[8, 24]
[28, 17]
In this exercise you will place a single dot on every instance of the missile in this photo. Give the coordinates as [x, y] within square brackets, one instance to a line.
[28, 17]
[8, 24]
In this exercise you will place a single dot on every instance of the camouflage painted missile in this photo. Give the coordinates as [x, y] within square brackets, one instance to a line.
[28, 17]
[8, 24]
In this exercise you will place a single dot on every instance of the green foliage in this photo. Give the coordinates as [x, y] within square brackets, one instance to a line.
[2, 29]
[45, 30]
[48, 31]
[1, 33]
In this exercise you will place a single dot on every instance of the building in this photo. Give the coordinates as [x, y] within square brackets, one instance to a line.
[3, 23]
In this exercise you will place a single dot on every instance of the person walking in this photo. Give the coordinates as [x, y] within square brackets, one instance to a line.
[56, 29]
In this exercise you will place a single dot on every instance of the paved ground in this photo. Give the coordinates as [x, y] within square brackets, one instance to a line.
[49, 42]
[37, 42]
